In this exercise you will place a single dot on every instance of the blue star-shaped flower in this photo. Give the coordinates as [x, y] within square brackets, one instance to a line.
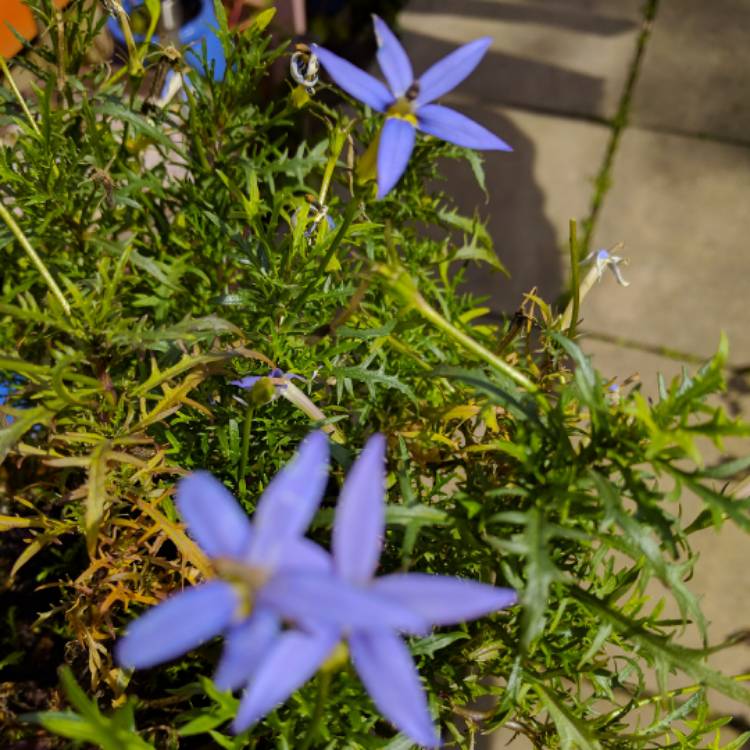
[380, 657]
[267, 572]
[408, 104]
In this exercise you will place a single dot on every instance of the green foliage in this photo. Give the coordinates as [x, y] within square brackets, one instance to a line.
[115, 732]
[188, 253]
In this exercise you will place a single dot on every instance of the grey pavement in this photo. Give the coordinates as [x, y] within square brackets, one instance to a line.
[679, 198]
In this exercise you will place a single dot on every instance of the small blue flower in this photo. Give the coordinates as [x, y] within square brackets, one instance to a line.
[407, 103]
[267, 573]
[380, 657]
[603, 259]
[277, 376]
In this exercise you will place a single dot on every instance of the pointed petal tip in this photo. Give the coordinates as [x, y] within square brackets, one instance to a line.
[444, 600]
[359, 523]
[356, 82]
[213, 516]
[387, 670]
[451, 70]
[392, 58]
[452, 126]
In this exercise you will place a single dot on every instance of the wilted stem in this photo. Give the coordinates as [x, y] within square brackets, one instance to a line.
[35, 259]
[324, 685]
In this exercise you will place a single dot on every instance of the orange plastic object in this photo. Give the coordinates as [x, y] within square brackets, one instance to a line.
[14, 13]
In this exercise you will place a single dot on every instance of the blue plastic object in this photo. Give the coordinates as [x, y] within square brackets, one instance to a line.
[6, 388]
[201, 28]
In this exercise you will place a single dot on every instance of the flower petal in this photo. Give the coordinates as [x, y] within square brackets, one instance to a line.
[317, 598]
[447, 73]
[360, 515]
[396, 144]
[248, 381]
[292, 661]
[305, 555]
[177, 625]
[386, 668]
[289, 502]
[454, 127]
[213, 517]
[245, 648]
[393, 60]
[354, 81]
[443, 600]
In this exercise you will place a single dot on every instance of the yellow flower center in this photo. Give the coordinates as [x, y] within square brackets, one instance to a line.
[245, 580]
[402, 109]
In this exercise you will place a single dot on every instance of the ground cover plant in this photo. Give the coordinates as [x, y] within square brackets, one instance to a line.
[207, 283]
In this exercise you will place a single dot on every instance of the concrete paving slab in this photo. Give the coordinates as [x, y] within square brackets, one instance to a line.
[533, 193]
[569, 57]
[677, 203]
[696, 73]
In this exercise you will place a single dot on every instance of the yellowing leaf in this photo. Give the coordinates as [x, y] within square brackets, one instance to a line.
[461, 412]
[186, 546]
[96, 497]
[261, 21]
[16, 522]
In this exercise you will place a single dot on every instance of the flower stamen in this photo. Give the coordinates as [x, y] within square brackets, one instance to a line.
[402, 109]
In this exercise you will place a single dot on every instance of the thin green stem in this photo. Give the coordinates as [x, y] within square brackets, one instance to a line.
[245, 450]
[324, 686]
[431, 314]
[619, 124]
[17, 93]
[134, 59]
[401, 283]
[35, 259]
[351, 209]
[575, 279]
[337, 144]
[662, 351]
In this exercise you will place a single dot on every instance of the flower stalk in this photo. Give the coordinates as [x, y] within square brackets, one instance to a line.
[601, 260]
[18, 95]
[401, 283]
[35, 259]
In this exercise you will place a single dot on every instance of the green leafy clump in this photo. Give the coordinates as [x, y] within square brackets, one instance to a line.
[152, 254]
